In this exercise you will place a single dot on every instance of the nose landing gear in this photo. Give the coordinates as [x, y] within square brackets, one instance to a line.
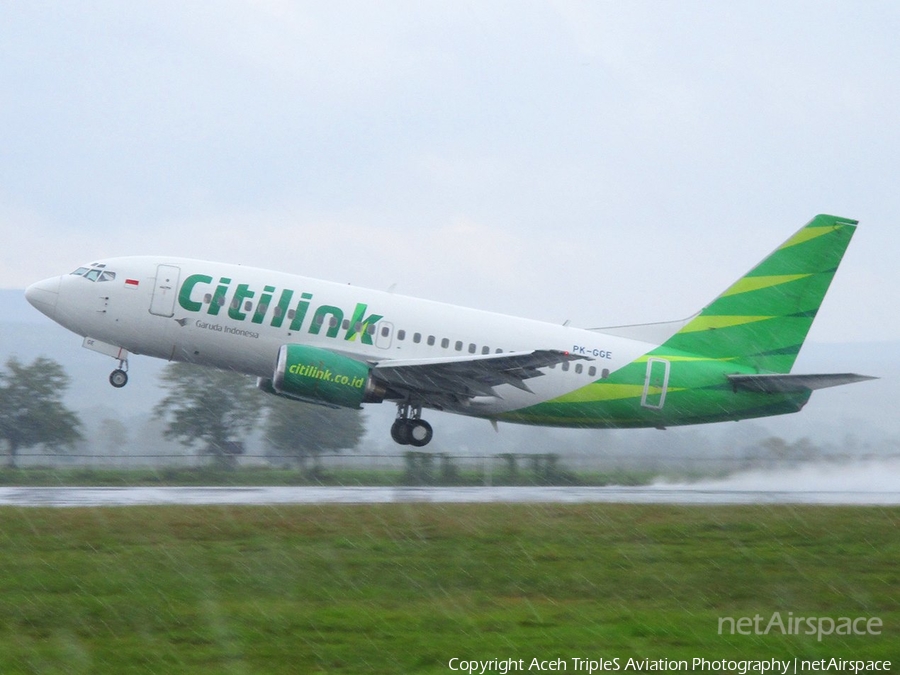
[119, 377]
[409, 428]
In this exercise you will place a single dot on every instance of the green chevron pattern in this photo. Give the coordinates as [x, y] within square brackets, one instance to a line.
[756, 326]
[762, 320]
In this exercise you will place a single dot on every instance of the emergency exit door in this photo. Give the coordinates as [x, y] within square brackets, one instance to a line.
[164, 290]
[384, 335]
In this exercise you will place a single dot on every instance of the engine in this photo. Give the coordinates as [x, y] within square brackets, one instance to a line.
[319, 376]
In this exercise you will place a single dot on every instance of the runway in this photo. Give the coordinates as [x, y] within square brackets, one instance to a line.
[681, 495]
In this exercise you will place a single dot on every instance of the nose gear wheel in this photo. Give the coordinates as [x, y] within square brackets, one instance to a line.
[119, 377]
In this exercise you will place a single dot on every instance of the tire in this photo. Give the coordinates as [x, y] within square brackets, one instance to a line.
[118, 378]
[420, 433]
[400, 432]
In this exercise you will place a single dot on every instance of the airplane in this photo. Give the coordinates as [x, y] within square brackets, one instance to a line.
[342, 346]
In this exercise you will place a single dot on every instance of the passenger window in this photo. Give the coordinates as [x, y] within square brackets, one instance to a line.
[565, 365]
[592, 371]
[417, 338]
[290, 314]
[472, 348]
[248, 306]
[604, 373]
[578, 368]
[385, 331]
[401, 335]
[370, 329]
[459, 345]
[431, 340]
[445, 343]
[207, 298]
[345, 324]
[485, 350]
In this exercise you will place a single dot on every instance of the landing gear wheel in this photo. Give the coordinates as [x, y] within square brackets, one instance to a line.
[118, 378]
[419, 432]
[409, 428]
[400, 432]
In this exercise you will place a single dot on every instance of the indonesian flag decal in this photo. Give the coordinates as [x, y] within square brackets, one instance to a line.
[132, 283]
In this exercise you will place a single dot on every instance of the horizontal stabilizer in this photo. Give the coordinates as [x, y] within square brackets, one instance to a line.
[779, 383]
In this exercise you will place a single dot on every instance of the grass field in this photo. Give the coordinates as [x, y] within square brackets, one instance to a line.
[405, 588]
[256, 476]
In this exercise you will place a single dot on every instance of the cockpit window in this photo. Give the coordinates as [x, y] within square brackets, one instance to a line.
[95, 272]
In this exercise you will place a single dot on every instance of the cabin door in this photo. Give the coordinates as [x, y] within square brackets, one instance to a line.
[655, 383]
[164, 290]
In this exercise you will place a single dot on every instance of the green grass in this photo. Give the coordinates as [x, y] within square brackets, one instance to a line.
[266, 476]
[405, 587]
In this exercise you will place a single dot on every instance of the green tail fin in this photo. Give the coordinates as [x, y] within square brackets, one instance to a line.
[762, 320]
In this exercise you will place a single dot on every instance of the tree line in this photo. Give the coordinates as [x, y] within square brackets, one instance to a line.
[208, 410]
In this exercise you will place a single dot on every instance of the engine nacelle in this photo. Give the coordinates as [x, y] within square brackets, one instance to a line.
[320, 376]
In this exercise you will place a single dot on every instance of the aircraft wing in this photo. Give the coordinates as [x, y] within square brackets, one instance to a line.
[778, 383]
[466, 377]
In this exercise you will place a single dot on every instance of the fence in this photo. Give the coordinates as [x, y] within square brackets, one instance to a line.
[426, 467]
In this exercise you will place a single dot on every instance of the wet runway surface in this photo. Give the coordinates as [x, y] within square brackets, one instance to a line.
[661, 494]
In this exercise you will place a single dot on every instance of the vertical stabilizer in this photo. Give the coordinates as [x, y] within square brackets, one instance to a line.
[762, 320]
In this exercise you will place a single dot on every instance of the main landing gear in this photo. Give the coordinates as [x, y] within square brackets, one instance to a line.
[409, 428]
[119, 377]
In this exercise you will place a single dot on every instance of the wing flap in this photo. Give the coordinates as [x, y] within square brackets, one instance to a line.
[782, 383]
[466, 377]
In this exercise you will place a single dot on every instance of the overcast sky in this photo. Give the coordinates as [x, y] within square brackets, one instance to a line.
[603, 163]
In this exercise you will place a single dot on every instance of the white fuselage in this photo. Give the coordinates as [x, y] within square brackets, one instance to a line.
[237, 318]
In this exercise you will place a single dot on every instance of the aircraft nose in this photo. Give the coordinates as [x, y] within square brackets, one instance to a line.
[43, 295]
